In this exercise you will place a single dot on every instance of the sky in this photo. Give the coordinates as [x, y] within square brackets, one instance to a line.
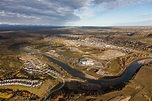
[76, 12]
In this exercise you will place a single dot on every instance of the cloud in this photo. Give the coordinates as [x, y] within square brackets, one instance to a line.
[136, 23]
[112, 4]
[55, 12]
[145, 16]
[49, 12]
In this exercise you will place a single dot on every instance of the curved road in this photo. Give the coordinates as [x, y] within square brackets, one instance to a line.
[47, 97]
[124, 77]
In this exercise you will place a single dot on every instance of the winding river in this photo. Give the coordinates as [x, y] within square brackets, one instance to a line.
[129, 72]
[124, 77]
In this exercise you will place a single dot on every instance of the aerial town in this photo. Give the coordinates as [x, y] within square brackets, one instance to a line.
[75, 50]
[76, 64]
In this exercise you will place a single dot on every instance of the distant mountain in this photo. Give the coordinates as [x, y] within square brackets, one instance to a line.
[11, 27]
[20, 27]
[95, 27]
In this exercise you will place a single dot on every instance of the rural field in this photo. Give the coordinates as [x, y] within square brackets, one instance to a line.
[70, 63]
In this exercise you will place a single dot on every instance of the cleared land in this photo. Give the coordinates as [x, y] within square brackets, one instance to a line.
[109, 51]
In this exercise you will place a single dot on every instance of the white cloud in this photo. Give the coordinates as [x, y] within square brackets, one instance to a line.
[55, 12]
[112, 4]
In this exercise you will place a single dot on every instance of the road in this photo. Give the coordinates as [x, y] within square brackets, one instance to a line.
[63, 83]
[129, 72]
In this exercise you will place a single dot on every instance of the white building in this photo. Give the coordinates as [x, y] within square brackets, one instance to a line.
[86, 62]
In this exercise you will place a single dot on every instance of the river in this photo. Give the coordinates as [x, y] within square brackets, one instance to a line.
[124, 77]
[129, 72]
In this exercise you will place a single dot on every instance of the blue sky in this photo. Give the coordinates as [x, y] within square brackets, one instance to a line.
[130, 15]
[76, 12]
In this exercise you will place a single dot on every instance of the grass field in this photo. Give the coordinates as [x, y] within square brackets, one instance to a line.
[139, 89]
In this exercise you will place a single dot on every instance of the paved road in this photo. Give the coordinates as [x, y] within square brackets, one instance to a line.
[123, 78]
[63, 83]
